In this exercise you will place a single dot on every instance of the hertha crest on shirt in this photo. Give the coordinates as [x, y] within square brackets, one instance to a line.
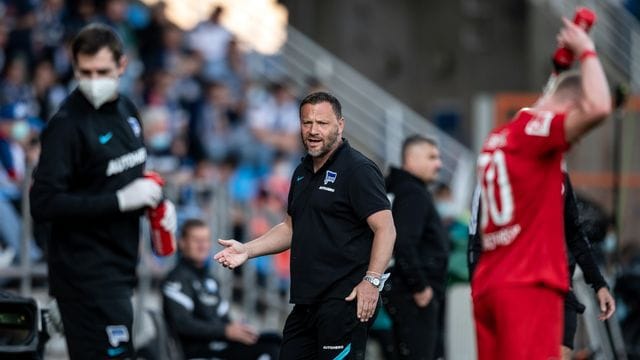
[135, 125]
[330, 177]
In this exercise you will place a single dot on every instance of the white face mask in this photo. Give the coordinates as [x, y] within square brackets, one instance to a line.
[98, 91]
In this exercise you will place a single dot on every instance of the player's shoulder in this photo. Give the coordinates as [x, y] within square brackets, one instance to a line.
[535, 122]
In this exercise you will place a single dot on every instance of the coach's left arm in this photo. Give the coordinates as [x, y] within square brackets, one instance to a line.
[384, 237]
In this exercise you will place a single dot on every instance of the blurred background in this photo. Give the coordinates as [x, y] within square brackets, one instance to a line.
[218, 84]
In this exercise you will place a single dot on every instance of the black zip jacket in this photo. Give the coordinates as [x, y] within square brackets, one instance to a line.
[87, 155]
[193, 306]
[577, 243]
[422, 247]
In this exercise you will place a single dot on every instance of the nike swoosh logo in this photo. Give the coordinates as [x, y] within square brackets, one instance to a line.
[299, 178]
[105, 138]
[115, 351]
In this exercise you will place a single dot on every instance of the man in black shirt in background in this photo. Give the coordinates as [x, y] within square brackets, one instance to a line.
[198, 315]
[341, 234]
[413, 297]
[89, 184]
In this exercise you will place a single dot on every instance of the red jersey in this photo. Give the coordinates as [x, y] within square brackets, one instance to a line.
[519, 169]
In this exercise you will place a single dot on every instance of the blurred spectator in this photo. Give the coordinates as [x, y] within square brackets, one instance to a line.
[48, 93]
[220, 128]
[169, 53]
[159, 138]
[49, 29]
[80, 13]
[267, 211]
[235, 75]
[275, 122]
[14, 86]
[197, 313]
[211, 39]
[115, 15]
[188, 83]
[15, 134]
[153, 36]
[161, 91]
[21, 36]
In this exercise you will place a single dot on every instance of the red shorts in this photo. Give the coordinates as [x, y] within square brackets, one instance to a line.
[522, 322]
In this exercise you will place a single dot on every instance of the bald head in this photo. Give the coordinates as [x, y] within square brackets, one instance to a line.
[421, 157]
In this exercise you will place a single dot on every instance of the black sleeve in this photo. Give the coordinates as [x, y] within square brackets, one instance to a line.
[178, 304]
[409, 212]
[290, 195]
[474, 247]
[577, 242]
[366, 191]
[50, 196]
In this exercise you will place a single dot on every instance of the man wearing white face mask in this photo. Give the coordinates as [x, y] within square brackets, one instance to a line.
[89, 184]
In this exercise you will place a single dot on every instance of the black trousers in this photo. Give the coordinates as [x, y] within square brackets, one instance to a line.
[267, 348]
[415, 329]
[98, 329]
[329, 330]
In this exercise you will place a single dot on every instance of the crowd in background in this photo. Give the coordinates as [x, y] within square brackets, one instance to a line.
[208, 115]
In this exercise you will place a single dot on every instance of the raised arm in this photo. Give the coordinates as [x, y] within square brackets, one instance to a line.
[276, 240]
[594, 104]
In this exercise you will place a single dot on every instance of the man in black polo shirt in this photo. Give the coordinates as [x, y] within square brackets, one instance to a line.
[341, 234]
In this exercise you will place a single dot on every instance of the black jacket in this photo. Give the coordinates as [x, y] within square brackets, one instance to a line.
[87, 155]
[193, 307]
[422, 247]
[579, 247]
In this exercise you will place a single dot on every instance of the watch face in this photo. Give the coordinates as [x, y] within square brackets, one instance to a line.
[375, 281]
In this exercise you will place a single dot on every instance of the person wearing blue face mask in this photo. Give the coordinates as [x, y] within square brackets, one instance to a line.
[90, 185]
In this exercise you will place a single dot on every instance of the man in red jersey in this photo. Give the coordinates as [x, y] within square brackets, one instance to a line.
[520, 280]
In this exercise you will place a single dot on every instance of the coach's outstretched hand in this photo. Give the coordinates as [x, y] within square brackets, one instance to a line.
[367, 297]
[233, 255]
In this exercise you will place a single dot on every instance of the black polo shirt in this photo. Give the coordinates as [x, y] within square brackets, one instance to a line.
[331, 243]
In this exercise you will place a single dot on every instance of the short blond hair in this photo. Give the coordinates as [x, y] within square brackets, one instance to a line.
[566, 86]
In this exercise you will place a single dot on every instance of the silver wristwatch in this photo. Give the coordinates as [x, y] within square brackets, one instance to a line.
[375, 281]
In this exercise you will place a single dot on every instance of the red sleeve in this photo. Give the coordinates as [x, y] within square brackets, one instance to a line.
[541, 132]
